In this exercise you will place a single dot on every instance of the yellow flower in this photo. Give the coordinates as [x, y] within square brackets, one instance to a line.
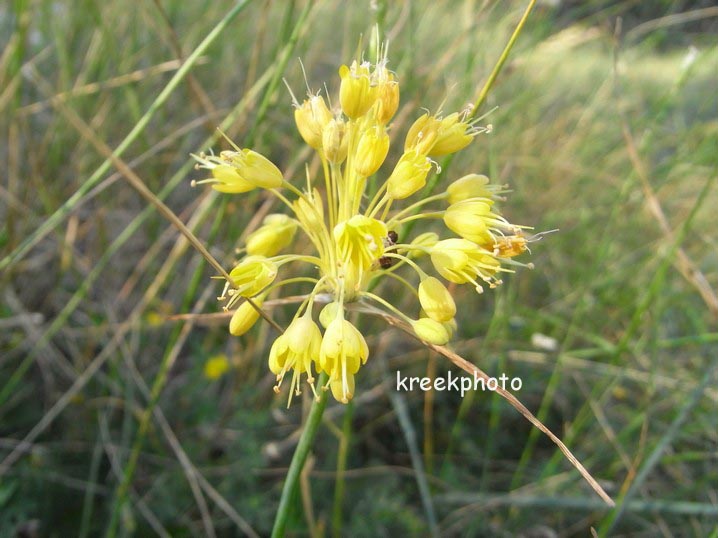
[351, 228]
[469, 186]
[359, 243]
[422, 134]
[239, 171]
[252, 275]
[342, 351]
[296, 350]
[311, 117]
[409, 175]
[216, 367]
[461, 261]
[360, 240]
[473, 219]
[453, 135]
[277, 232]
[356, 93]
[255, 168]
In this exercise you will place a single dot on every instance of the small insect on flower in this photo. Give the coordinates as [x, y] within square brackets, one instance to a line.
[353, 244]
[390, 240]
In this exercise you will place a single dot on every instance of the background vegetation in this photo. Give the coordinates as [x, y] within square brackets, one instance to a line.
[606, 128]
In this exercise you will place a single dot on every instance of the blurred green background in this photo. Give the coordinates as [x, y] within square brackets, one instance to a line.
[606, 128]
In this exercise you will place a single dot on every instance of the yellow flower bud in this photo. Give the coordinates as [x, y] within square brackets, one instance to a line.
[409, 175]
[310, 211]
[453, 135]
[470, 186]
[431, 331]
[252, 275]
[473, 220]
[311, 119]
[387, 98]
[422, 134]
[356, 93]
[334, 141]
[244, 317]
[436, 300]
[371, 151]
[276, 233]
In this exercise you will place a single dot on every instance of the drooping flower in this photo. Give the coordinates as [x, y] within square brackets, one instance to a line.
[342, 352]
[297, 349]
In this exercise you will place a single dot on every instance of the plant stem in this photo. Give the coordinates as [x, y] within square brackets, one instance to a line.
[342, 453]
[300, 457]
[429, 189]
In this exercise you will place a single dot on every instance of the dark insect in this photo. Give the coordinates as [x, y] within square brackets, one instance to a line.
[391, 239]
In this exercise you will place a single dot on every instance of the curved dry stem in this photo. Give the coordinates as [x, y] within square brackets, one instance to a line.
[465, 365]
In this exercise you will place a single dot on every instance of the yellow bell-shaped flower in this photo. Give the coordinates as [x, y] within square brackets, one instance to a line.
[342, 352]
[461, 261]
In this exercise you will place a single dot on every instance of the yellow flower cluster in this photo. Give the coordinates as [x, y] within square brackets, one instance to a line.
[356, 242]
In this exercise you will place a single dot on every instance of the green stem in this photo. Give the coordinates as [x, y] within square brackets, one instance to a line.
[502, 60]
[482, 96]
[342, 454]
[299, 458]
